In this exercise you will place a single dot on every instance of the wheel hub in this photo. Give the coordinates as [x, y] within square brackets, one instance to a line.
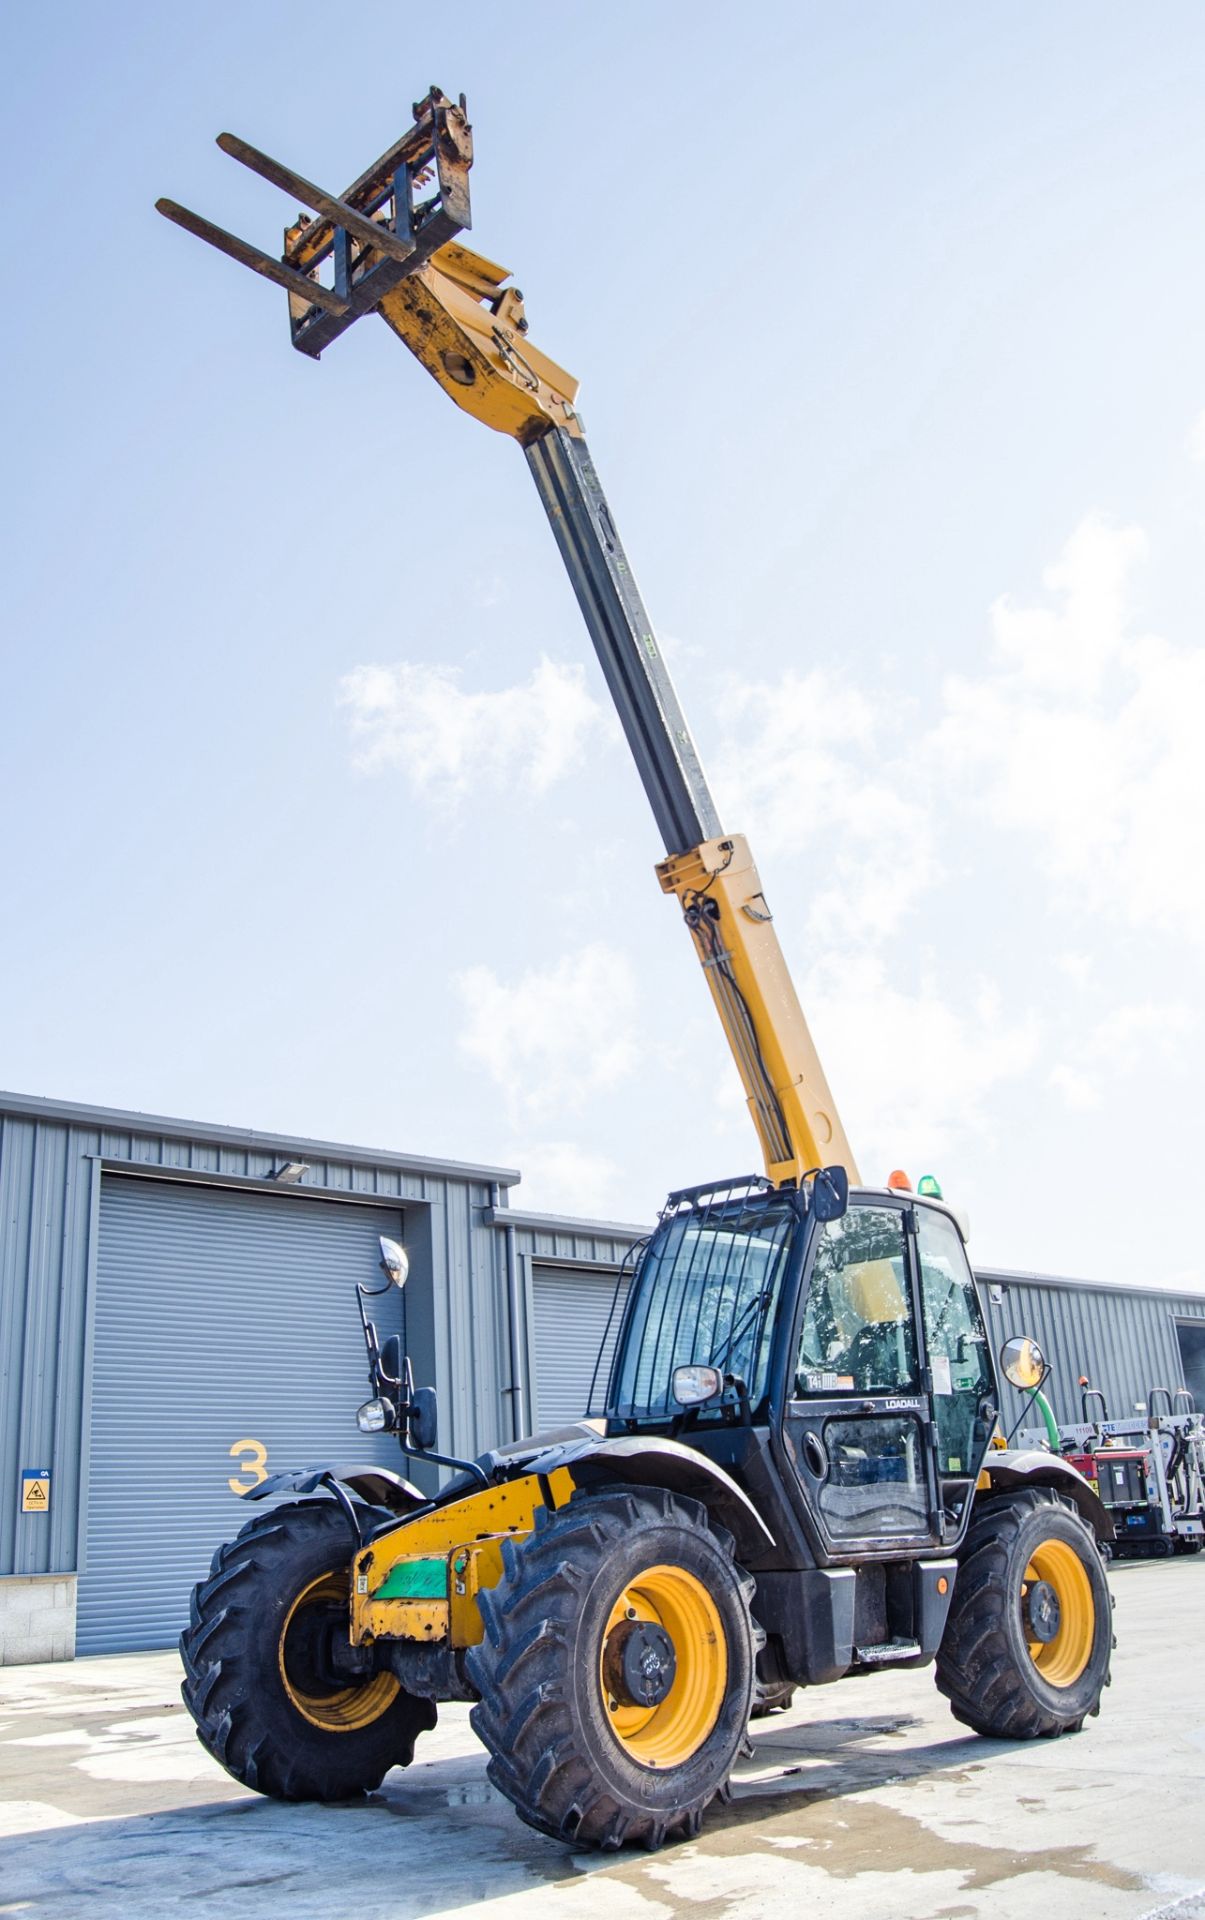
[332, 1684]
[1043, 1615]
[639, 1664]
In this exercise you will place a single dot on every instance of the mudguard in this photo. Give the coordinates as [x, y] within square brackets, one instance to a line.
[379, 1486]
[1006, 1468]
[633, 1460]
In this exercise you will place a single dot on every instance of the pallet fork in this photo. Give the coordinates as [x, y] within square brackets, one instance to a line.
[389, 245]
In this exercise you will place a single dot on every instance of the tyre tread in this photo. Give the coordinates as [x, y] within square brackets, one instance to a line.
[522, 1716]
[233, 1724]
[976, 1669]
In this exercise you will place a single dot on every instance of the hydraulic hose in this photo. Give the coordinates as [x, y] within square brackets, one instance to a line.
[1052, 1425]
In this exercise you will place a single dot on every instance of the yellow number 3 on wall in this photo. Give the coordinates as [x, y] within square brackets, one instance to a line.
[255, 1463]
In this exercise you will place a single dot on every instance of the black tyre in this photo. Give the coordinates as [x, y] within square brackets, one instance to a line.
[1028, 1641]
[775, 1698]
[617, 1671]
[280, 1696]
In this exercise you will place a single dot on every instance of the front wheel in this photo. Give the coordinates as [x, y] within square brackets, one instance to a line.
[1027, 1644]
[617, 1670]
[279, 1694]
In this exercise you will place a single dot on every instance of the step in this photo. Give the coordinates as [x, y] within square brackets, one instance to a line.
[889, 1651]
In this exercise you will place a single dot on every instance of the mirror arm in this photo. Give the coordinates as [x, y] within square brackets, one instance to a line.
[370, 1334]
[734, 1384]
[1032, 1402]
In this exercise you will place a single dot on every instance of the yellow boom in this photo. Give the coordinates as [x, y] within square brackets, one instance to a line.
[384, 248]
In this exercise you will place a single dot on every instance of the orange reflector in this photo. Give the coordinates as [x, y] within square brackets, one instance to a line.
[943, 1585]
[899, 1182]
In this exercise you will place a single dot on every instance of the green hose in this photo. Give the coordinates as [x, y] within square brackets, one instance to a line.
[1052, 1425]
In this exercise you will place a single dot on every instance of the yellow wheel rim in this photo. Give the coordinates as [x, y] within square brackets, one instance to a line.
[667, 1734]
[336, 1709]
[1061, 1660]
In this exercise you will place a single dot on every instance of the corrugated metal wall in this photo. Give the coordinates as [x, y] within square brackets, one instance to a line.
[576, 1320]
[1123, 1338]
[557, 1248]
[202, 1386]
[470, 1257]
[51, 1155]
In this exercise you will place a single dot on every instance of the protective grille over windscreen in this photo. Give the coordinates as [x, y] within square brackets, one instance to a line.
[704, 1294]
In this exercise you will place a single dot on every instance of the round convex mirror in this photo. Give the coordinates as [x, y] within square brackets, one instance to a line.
[394, 1261]
[1023, 1362]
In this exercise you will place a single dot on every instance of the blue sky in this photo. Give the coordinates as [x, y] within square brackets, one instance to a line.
[889, 322]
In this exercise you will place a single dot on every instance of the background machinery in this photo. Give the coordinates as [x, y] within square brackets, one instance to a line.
[1149, 1469]
[793, 1474]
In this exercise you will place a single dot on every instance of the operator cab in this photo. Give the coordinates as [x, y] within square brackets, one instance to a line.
[854, 1337]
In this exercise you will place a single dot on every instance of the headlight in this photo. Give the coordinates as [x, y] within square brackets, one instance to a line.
[375, 1416]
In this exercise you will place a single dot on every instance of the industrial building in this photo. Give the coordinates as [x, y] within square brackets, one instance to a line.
[1125, 1339]
[178, 1319]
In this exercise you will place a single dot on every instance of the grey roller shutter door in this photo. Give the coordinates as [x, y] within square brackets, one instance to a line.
[571, 1308]
[220, 1318]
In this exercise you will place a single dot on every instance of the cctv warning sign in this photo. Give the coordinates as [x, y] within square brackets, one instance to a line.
[35, 1490]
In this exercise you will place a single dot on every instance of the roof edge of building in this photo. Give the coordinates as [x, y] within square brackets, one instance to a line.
[564, 1223]
[1019, 1276]
[26, 1106]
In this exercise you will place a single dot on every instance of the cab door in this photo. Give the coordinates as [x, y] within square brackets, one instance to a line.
[857, 1424]
[958, 1363]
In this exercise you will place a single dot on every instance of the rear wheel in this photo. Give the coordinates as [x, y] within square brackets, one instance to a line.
[1027, 1644]
[617, 1671]
[279, 1694]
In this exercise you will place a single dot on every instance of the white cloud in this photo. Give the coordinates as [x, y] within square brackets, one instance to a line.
[1088, 739]
[556, 1035]
[914, 1072]
[810, 762]
[447, 741]
[1066, 650]
[1129, 1039]
[1077, 966]
[1078, 738]
[561, 1177]
[1081, 1091]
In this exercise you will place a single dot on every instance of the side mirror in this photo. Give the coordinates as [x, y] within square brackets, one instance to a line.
[1023, 1362]
[693, 1386]
[394, 1262]
[392, 1364]
[424, 1419]
[830, 1193]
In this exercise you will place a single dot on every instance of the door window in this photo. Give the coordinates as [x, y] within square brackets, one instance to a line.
[857, 1334]
[956, 1342]
[876, 1478]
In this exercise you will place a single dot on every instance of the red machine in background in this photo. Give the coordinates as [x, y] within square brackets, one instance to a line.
[1148, 1469]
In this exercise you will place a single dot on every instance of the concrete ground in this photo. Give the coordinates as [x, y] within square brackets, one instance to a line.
[865, 1802]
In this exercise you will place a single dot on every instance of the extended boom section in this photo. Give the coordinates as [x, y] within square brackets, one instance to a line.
[388, 245]
[652, 719]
